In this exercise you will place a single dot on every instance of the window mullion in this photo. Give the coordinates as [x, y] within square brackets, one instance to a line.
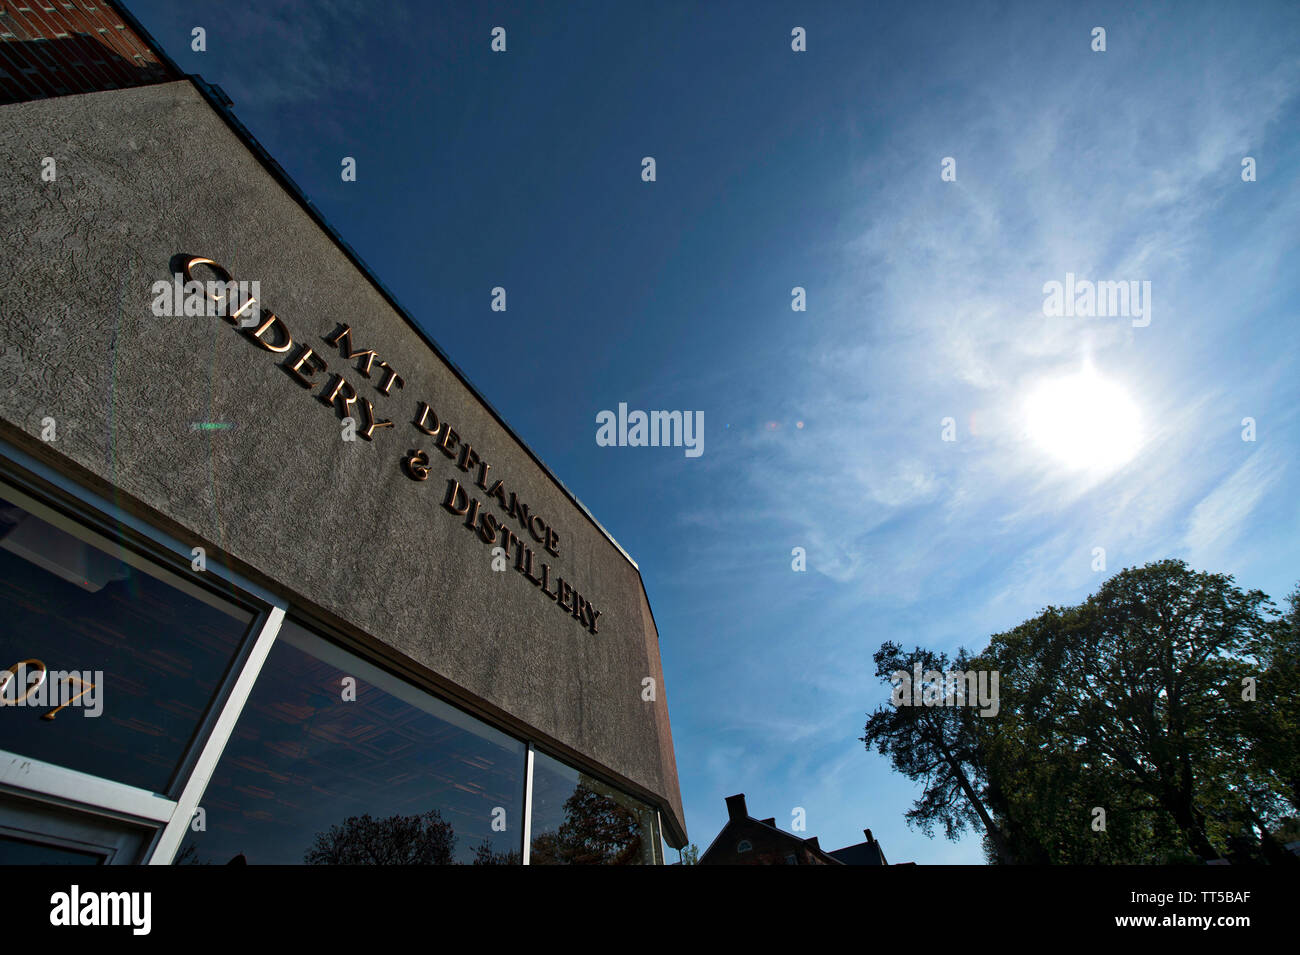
[189, 798]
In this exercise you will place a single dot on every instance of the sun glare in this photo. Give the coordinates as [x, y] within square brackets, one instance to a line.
[1084, 421]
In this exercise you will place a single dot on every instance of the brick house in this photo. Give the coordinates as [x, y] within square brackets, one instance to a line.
[745, 840]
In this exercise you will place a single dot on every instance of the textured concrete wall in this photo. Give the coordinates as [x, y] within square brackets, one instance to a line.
[146, 174]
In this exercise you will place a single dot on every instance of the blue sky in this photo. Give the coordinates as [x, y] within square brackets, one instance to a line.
[925, 298]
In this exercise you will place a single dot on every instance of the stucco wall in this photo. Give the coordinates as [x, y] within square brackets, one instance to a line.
[146, 174]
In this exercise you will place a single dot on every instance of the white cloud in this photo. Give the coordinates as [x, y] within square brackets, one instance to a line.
[945, 281]
[1221, 515]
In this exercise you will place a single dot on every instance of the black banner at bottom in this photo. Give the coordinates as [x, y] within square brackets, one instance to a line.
[1171, 906]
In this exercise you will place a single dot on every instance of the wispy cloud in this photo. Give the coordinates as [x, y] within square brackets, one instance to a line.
[1222, 514]
[951, 274]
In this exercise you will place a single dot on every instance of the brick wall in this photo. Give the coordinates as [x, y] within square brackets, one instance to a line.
[56, 48]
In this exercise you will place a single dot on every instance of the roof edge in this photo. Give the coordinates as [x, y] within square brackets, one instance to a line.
[216, 98]
[221, 104]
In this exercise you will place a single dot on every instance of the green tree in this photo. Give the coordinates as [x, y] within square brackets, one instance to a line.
[1044, 780]
[1270, 724]
[938, 745]
[1126, 703]
[1130, 703]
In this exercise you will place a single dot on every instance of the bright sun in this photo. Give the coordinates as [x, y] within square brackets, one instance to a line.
[1084, 421]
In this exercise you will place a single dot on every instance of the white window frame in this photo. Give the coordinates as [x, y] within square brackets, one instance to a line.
[48, 783]
[172, 817]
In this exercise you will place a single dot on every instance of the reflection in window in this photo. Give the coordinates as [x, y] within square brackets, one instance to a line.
[22, 852]
[388, 774]
[577, 820]
[163, 646]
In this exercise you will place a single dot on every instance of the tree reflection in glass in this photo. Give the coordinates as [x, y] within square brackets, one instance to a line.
[335, 762]
[593, 824]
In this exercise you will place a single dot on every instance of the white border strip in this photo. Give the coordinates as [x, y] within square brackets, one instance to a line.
[32, 776]
[175, 831]
[528, 802]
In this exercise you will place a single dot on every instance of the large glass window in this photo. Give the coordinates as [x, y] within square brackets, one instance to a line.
[112, 665]
[577, 820]
[107, 663]
[334, 761]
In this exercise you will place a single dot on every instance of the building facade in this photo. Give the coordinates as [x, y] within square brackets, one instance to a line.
[279, 584]
[745, 840]
[55, 48]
